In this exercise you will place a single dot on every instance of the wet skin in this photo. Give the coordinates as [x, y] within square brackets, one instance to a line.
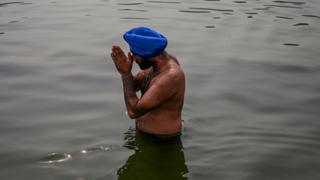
[158, 110]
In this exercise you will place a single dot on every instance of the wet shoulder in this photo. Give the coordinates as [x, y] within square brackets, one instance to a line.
[174, 76]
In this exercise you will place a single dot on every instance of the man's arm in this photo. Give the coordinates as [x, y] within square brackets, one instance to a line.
[137, 80]
[129, 91]
[162, 89]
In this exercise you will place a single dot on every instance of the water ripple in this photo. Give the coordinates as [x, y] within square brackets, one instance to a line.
[135, 18]
[290, 2]
[301, 24]
[138, 10]
[310, 15]
[282, 6]
[165, 2]
[130, 4]
[18, 2]
[291, 44]
[212, 9]
[95, 149]
[188, 11]
[283, 17]
[56, 158]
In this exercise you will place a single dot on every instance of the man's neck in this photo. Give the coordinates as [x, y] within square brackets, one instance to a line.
[160, 64]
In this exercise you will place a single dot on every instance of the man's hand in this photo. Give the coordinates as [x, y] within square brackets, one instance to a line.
[121, 61]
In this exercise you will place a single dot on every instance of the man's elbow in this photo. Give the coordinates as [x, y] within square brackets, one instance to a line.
[134, 115]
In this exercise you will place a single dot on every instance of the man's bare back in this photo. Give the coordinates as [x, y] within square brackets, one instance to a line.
[161, 82]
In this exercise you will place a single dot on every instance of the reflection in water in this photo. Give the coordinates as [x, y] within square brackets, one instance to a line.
[153, 158]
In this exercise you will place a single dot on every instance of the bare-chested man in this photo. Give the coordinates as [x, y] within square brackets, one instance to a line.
[161, 82]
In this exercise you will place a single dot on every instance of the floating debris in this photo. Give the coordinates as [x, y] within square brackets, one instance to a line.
[56, 158]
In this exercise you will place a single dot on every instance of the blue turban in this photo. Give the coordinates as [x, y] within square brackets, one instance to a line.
[145, 42]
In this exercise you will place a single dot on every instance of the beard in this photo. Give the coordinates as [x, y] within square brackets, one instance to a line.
[145, 64]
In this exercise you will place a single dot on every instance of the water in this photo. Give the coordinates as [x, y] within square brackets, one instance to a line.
[252, 102]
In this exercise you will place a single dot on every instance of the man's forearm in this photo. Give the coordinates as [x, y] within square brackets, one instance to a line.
[130, 96]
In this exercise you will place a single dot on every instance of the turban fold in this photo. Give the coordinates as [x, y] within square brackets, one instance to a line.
[145, 42]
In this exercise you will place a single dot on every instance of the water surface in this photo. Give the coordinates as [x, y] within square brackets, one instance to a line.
[252, 102]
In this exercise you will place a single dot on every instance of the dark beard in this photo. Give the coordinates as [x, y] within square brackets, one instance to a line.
[145, 64]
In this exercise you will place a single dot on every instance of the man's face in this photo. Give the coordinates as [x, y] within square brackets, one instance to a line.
[143, 63]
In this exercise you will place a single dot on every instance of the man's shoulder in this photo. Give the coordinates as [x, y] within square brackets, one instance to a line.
[173, 75]
[175, 70]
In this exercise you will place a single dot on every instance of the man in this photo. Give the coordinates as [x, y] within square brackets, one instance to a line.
[161, 82]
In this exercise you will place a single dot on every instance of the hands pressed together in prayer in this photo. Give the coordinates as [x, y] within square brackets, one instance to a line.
[121, 61]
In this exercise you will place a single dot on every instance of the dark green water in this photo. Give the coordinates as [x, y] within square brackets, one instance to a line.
[252, 103]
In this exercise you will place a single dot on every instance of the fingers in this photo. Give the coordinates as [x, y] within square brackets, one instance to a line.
[130, 57]
[114, 52]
